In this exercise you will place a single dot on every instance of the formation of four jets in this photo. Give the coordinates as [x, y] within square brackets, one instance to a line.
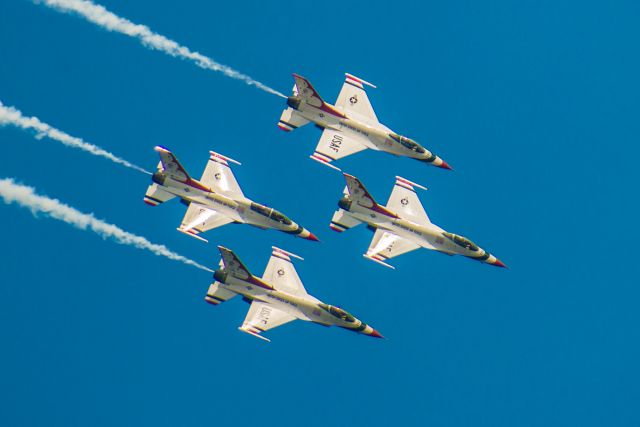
[279, 297]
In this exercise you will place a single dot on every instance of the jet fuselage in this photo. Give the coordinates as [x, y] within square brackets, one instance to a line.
[302, 307]
[428, 235]
[379, 136]
[241, 210]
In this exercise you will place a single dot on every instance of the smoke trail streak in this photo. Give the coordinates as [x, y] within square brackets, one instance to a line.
[102, 17]
[26, 197]
[11, 116]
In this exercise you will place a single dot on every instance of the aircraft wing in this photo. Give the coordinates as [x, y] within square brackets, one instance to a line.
[281, 273]
[405, 202]
[219, 177]
[335, 145]
[353, 100]
[386, 245]
[262, 317]
[199, 219]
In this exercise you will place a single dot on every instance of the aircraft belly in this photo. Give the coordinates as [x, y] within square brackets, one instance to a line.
[376, 221]
[221, 209]
[288, 303]
[423, 236]
[251, 218]
[318, 117]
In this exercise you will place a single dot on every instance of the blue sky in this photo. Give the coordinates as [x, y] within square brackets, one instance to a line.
[535, 105]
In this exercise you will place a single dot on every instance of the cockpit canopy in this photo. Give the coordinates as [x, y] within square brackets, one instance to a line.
[407, 142]
[462, 241]
[270, 213]
[339, 313]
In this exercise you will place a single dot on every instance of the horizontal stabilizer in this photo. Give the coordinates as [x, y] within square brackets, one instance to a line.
[156, 195]
[217, 294]
[342, 221]
[290, 120]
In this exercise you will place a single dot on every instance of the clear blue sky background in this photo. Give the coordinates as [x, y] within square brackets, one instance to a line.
[535, 105]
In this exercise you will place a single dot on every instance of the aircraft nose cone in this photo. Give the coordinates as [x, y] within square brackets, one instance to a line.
[375, 333]
[312, 236]
[445, 165]
[499, 263]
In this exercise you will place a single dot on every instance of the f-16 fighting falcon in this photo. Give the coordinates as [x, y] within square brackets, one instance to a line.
[215, 200]
[401, 226]
[277, 298]
[349, 126]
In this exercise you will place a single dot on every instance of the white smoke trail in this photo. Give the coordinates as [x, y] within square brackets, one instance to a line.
[100, 16]
[26, 197]
[11, 116]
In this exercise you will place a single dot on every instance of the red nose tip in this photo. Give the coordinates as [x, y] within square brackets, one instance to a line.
[312, 236]
[376, 334]
[445, 165]
[499, 263]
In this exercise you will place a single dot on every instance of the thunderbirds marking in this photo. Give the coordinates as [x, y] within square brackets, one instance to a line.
[401, 226]
[348, 127]
[215, 200]
[277, 298]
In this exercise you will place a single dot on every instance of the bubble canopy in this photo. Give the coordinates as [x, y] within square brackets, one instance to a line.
[407, 142]
[462, 241]
[270, 213]
[339, 313]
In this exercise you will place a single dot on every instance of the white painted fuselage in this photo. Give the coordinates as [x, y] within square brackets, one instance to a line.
[241, 209]
[375, 136]
[306, 307]
[427, 235]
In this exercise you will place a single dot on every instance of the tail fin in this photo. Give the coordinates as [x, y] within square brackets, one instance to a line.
[359, 194]
[217, 293]
[307, 92]
[170, 165]
[290, 118]
[233, 265]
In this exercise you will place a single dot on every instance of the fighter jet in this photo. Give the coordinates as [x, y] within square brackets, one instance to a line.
[401, 226]
[349, 126]
[215, 200]
[277, 298]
